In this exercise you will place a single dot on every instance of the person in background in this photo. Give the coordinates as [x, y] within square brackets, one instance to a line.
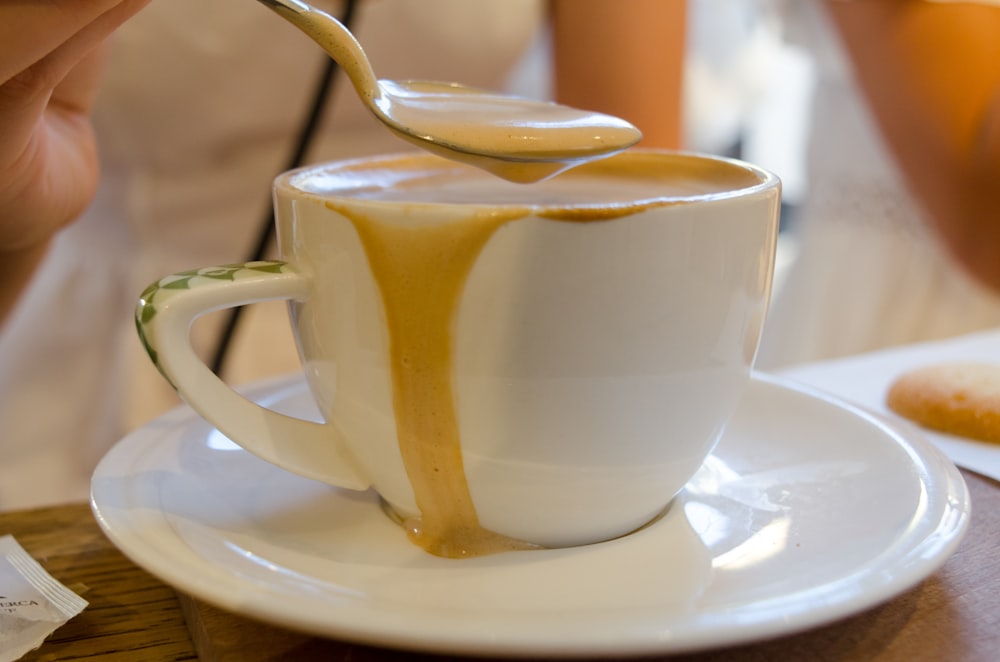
[899, 234]
[194, 112]
[931, 74]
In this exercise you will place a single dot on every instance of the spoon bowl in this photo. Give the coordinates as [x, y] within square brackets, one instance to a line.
[519, 139]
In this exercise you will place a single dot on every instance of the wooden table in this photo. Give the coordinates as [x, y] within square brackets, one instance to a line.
[953, 616]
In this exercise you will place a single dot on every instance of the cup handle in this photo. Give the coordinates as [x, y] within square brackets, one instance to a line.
[164, 315]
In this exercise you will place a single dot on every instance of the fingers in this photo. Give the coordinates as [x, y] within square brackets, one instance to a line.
[48, 167]
[31, 29]
[77, 90]
[73, 65]
[66, 75]
[43, 43]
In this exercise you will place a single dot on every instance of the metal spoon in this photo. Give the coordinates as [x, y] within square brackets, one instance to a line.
[519, 139]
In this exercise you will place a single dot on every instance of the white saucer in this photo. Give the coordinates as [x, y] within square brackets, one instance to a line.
[808, 511]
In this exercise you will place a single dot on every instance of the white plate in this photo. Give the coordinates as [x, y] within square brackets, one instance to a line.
[808, 511]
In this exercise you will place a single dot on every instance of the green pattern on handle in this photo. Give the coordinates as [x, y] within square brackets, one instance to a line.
[164, 289]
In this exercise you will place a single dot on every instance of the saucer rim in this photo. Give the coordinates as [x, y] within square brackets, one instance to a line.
[932, 550]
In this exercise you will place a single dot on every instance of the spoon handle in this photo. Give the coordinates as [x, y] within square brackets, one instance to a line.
[335, 39]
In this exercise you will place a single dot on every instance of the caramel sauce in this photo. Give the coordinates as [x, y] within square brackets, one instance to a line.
[421, 271]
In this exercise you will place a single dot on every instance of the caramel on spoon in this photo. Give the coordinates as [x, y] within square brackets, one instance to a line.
[519, 139]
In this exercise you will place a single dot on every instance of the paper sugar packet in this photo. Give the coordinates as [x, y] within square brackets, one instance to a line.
[32, 603]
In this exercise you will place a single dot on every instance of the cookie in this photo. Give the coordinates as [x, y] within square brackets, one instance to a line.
[958, 398]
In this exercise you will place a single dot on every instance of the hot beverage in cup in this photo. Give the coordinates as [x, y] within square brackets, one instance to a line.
[508, 366]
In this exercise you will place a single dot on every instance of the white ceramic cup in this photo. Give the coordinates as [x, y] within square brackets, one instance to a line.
[599, 340]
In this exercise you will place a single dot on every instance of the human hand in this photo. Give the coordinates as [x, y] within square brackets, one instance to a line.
[50, 66]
